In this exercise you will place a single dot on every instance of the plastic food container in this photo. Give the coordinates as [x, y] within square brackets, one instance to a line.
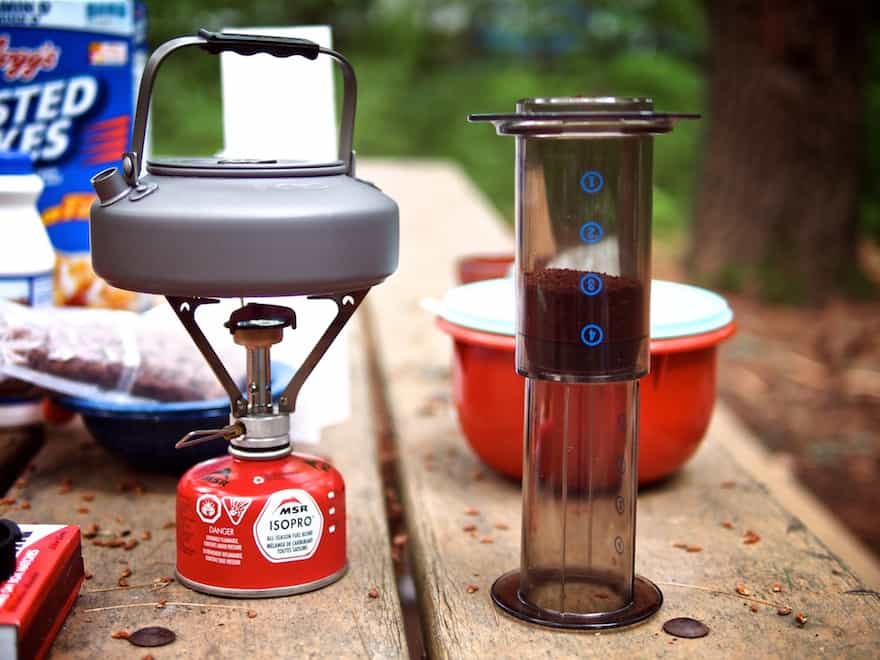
[677, 397]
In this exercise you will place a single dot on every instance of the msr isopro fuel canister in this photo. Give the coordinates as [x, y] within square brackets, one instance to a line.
[261, 521]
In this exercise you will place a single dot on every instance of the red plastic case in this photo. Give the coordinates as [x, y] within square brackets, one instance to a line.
[35, 600]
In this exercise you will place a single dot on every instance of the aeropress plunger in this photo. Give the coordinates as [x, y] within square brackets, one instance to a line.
[583, 233]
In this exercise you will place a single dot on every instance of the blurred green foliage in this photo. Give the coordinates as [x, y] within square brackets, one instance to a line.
[424, 65]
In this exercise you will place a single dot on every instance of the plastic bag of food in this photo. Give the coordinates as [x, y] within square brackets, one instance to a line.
[110, 354]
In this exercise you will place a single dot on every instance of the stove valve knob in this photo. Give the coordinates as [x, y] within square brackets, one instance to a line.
[207, 435]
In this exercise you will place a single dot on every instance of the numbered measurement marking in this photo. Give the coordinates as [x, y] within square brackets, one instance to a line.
[591, 284]
[619, 504]
[591, 232]
[592, 335]
[618, 545]
[592, 182]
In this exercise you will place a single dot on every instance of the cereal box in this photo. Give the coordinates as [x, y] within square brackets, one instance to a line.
[67, 75]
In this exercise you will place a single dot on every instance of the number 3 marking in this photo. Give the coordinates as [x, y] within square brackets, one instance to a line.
[591, 284]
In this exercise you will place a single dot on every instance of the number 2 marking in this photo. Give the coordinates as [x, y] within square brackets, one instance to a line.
[591, 232]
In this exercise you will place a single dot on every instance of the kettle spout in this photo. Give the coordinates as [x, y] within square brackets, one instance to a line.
[110, 186]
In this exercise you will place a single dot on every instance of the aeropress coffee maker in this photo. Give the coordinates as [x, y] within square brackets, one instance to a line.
[583, 276]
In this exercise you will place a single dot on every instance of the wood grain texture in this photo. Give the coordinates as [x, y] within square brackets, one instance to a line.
[338, 621]
[443, 217]
[17, 447]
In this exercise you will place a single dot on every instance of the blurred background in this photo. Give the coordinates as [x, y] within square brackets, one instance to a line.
[773, 198]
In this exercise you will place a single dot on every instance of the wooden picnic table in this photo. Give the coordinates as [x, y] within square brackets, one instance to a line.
[402, 430]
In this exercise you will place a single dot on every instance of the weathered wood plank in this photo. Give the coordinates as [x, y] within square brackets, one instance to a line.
[16, 449]
[338, 621]
[442, 217]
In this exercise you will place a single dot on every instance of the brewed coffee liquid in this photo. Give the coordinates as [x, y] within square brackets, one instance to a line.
[567, 329]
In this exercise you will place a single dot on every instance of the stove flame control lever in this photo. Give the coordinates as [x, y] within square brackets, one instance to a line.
[228, 432]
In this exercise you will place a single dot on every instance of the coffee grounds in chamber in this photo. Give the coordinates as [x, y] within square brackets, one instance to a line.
[553, 312]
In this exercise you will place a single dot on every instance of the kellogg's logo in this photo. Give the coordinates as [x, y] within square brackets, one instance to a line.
[25, 63]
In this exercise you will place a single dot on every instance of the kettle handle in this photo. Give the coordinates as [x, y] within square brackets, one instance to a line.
[243, 44]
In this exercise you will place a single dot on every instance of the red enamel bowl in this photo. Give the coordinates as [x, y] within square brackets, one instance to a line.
[478, 267]
[676, 401]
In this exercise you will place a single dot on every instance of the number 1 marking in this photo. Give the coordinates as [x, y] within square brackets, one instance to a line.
[592, 182]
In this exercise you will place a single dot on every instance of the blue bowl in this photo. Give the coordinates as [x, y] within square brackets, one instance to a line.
[143, 434]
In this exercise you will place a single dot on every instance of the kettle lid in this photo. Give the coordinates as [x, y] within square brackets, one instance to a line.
[243, 167]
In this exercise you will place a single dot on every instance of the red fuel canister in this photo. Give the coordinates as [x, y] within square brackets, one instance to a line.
[262, 521]
[261, 527]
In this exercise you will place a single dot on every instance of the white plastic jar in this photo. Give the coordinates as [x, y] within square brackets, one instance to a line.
[26, 263]
[26, 254]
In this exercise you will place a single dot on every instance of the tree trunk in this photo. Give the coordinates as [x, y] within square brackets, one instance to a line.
[778, 208]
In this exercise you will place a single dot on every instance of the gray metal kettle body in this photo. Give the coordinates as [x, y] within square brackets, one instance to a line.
[229, 228]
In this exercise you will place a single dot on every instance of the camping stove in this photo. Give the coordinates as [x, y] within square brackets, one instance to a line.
[262, 521]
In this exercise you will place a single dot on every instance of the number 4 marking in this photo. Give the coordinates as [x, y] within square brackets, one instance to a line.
[592, 335]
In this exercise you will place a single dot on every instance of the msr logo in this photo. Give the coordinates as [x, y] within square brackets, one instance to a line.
[218, 477]
[293, 510]
[25, 63]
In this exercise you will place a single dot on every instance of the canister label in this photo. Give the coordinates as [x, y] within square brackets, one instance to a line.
[289, 526]
[31, 290]
[260, 527]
